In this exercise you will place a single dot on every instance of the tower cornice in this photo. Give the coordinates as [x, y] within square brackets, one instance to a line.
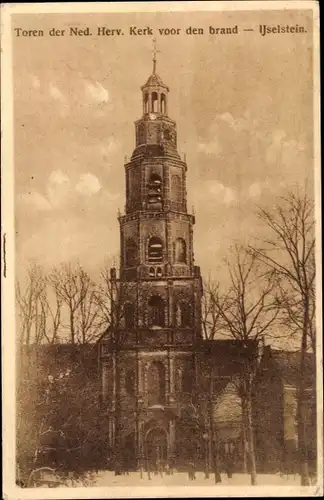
[169, 215]
[140, 159]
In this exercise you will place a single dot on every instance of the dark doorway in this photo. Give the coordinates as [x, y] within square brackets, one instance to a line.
[129, 452]
[156, 448]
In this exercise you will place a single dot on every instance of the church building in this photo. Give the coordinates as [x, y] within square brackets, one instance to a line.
[168, 395]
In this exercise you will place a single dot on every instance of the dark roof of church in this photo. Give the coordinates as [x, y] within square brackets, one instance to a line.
[286, 365]
[52, 358]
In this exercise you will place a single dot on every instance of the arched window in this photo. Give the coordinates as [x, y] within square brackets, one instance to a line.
[183, 314]
[130, 382]
[146, 100]
[176, 193]
[180, 251]
[154, 193]
[156, 315]
[129, 313]
[156, 383]
[155, 250]
[163, 103]
[154, 102]
[152, 272]
[130, 252]
[141, 134]
[159, 272]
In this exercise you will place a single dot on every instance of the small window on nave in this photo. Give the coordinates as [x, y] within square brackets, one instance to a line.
[155, 250]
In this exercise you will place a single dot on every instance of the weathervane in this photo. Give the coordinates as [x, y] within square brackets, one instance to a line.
[155, 51]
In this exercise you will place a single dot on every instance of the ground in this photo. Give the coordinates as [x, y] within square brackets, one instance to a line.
[108, 478]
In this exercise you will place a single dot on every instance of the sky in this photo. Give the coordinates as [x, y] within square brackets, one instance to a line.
[243, 107]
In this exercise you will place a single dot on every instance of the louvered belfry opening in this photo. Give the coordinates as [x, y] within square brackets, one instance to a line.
[155, 250]
[155, 189]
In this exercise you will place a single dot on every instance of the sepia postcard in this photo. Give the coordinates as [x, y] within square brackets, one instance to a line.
[161, 250]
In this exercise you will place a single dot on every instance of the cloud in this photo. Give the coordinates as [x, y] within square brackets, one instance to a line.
[96, 92]
[255, 190]
[238, 124]
[36, 200]
[212, 147]
[35, 82]
[58, 96]
[58, 177]
[60, 191]
[221, 193]
[284, 151]
[88, 184]
[209, 142]
[56, 93]
[109, 146]
[58, 188]
[229, 119]
[214, 141]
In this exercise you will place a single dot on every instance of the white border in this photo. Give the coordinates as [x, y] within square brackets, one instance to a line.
[8, 298]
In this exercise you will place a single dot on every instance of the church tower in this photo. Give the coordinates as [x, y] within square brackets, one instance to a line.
[148, 356]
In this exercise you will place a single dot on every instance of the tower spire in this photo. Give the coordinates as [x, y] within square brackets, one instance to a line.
[155, 51]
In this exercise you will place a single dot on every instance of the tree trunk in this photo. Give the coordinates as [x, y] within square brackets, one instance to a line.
[213, 446]
[302, 442]
[250, 437]
[118, 449]
[244, 432]
[72, 326]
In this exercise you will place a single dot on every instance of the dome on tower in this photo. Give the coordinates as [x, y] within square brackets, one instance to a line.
[155, 81]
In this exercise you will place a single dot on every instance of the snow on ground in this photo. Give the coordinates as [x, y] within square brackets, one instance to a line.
[108, 478]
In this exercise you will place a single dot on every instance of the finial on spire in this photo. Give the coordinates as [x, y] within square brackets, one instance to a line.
[155, 51]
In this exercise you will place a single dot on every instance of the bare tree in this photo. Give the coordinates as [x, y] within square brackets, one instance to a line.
[71, 287]
[88, 318]
[75, 289]
[105, 297]
[51, 307]
[29, 298]
[290, 253]
[210, 315]
[110, 296]
[247, 311]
